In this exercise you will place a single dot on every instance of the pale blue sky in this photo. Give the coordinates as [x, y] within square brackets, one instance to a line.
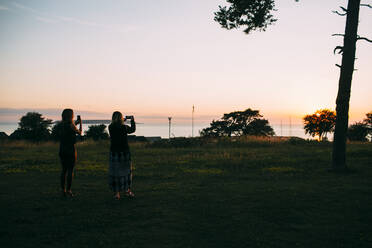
[158, 58]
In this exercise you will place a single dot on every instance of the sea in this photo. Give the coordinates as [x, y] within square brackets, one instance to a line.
[179, 130]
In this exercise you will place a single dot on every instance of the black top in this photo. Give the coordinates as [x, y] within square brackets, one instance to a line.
[119, 136]
[67, 136]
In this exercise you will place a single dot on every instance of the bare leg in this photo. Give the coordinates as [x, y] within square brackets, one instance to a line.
[70, 175]
[117, 195]
[63, 179]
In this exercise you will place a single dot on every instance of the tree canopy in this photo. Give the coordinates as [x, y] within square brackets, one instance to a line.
[251, 14]
[320, 123]
[32, 126]
[358, 132]
[247, 122]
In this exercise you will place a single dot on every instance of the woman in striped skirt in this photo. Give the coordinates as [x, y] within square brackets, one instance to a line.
[120, 169]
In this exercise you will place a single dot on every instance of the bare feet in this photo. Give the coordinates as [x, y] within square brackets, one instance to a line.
[129, 193]
[117, 196]
[69, 193]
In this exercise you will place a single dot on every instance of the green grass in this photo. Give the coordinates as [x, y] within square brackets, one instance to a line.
[252, 193]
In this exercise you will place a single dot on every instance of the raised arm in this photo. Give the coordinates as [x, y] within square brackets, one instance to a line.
[132, 127]
[78, 131]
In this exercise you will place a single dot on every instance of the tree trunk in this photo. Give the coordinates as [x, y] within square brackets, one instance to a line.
[344, 86]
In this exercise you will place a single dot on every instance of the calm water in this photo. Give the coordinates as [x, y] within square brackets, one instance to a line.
[178, 130]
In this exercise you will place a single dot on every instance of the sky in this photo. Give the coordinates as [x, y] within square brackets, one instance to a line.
[157, 58]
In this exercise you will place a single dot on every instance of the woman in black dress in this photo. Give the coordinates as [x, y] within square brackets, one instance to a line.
[67, 149]
[120, 169]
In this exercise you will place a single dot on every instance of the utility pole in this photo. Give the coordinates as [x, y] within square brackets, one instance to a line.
[192, 121]
[170, 120]
[281, 128]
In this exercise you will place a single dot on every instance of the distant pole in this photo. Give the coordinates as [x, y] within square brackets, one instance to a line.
[281, 128]
[290, 126]
[170, 120]
[192, 121]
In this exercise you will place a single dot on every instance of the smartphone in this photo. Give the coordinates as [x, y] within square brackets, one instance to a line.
[78, 120]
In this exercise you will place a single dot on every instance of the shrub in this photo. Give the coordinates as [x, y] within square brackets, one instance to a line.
[358, 132]
[96, 132]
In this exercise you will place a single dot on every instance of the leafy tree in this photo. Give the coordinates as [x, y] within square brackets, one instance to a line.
[259, 127]
[217, 129]
[56, 131]
[32, 126]
[320, 123]
[257, 15]
[368, 122]
[97, 132]
[253, 15]
[247, 122]
[358, 132]
[368, 119]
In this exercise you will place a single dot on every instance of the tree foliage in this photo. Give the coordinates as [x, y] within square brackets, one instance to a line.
[361, 131]
[56, 131]
[320, 123]
[96, 132]
[247, 122]
[368, 120]
[32, 126]
[251, 14]
[358, 132]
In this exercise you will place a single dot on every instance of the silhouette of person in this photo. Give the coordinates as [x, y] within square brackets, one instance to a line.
[120, 168]
[67, 149]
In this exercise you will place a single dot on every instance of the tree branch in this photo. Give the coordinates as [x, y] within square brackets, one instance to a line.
[364, 38]
[338, 13]
[338, 35]
[340, 48]
[344, 9]
[339, 66]
[366, 5]
[341, 14]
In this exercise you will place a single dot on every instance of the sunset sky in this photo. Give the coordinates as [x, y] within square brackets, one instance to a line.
[158, 58]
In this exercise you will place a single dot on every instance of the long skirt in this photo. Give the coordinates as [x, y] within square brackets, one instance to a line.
[120, 171]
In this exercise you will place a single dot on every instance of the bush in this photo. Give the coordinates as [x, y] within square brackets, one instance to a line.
[358, 132]
[96, 132]
[56, 131]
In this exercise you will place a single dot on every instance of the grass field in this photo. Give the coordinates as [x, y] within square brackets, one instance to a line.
[256, 193]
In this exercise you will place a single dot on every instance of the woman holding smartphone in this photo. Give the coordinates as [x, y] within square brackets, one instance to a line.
[67, 149]
[120, 168]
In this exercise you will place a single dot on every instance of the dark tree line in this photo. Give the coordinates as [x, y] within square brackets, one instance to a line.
[257, 15]
[362, 130]
[323, 122]
[34, 127]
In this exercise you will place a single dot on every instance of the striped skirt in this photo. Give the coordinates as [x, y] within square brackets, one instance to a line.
[120, 171]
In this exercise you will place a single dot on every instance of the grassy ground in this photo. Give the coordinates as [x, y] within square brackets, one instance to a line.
[245, 194]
